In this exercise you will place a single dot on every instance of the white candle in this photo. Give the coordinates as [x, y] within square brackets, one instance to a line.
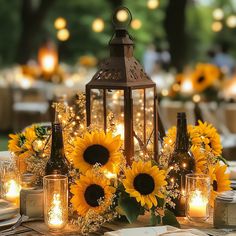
[12, 191]
[197, 205]
[55, 219]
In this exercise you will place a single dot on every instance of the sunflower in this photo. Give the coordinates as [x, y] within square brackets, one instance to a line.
[91, 192]
[97, 148]
[200, 159]
[210, 138]
[16, 143]
[144, 182]
[204, 76]
[219, 181]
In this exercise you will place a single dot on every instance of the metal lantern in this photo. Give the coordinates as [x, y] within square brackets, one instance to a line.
[122, 88]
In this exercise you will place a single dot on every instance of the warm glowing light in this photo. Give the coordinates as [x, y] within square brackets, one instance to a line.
[231, 21]
[120, 130]
[55, 214]
[218, 14]
[184, 166]
[152, 4]
[25, 81]
[165, 92]
[12, 191]
[176, 87]
[48, 63]
[122, 15]
[60, 23]
[63, 34]
[197, 205]
[136, 24]
[48, 58]
[110, 175]
[196, 98]
[98, 25]
[187, 86]
[216, 26]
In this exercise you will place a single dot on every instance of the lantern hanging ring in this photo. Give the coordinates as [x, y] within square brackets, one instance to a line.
[121, 18]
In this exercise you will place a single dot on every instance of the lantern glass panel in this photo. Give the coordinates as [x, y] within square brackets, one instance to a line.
[97, 117]
[138, 120]
[149, 119]
[115, 106]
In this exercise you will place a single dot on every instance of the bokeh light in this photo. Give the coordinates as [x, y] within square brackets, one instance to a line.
[98, 25]
[152, 4]
[136, 24]
[63, 34]
[122, 15]
[60, 23]
[218, 14]
[216, 26]
[231, 21]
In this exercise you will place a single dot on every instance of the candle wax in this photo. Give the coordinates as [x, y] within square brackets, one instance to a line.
[197, 205]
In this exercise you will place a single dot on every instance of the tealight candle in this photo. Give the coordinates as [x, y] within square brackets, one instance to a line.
[197, 205]
[12, 191]
[55, 201]
[197, 197]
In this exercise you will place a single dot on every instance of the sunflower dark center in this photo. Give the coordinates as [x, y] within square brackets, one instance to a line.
[96, 154]
[144, 184]
[93, 193]
[215, 185]
[201, 79]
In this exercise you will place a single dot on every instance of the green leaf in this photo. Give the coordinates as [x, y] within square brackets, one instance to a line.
[154, 219]
[130, 207]
[221, 158]
[170, 219]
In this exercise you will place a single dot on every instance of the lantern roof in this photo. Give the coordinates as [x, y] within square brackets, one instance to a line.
[121, 69]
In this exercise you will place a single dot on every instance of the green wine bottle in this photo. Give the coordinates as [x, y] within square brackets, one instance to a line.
[181, 163]
[57, 163]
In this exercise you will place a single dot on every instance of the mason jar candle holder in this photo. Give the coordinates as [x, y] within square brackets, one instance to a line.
[197, 197]
[10, 182]
[55, 201]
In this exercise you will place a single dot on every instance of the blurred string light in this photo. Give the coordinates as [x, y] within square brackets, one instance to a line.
[152, 4]
[218, 14]
[231, 21]
[136, 24]
[60, 23]
[63, 34]
[98, 25]
[216, 26]
[122, 15]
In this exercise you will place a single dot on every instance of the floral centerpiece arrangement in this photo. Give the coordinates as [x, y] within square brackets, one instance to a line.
[102, 186]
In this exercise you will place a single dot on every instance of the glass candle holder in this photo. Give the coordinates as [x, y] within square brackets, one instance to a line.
[197, 197]
[10, 182]
[55, 201]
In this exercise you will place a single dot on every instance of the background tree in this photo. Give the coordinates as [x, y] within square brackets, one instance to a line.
[33, 14]
[175, 31]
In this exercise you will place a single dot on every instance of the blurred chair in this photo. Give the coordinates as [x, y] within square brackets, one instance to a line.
[169, 110]
[29, 106]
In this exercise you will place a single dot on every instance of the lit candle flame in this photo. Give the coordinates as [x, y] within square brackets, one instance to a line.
[48, 63]
[56, 212]
[12, 191]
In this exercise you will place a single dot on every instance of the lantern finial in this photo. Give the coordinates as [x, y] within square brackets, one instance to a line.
[122, 18]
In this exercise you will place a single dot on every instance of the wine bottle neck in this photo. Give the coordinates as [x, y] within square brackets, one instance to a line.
[182, 139]
[57, 148]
